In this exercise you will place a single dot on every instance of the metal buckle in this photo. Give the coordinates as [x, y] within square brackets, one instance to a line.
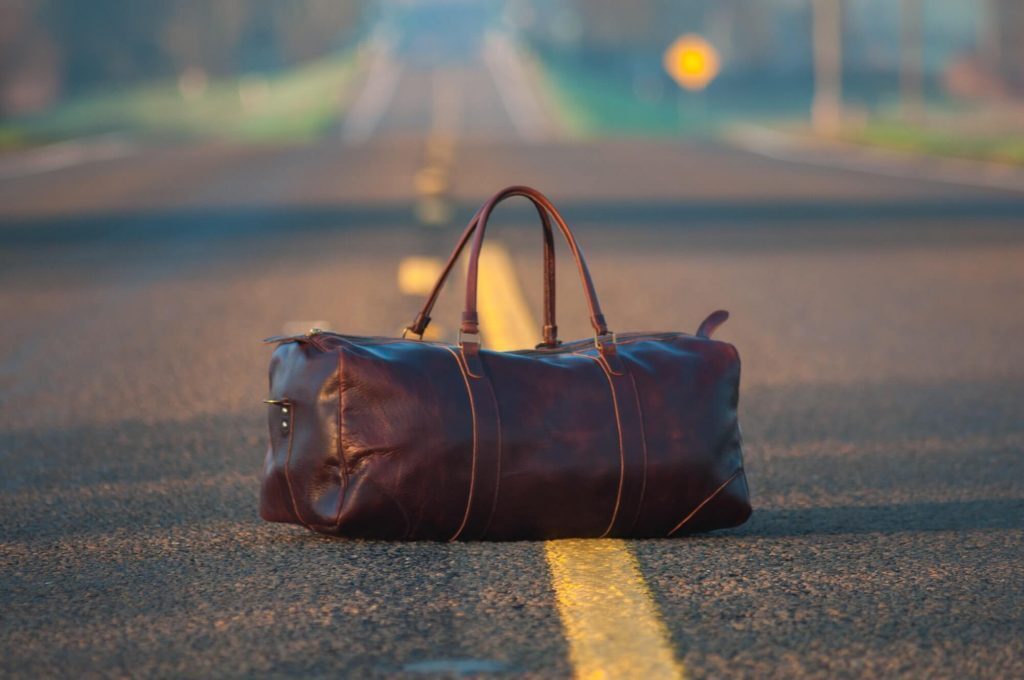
[477, 334]
[597, 339]
[407, 330]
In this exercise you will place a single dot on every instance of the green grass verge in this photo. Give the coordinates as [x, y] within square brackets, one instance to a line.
[11, 139]
[298, 104]
[590, 105]
[1003, 147]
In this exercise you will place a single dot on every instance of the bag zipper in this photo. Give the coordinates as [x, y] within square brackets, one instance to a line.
[310, 337]
[318, 337]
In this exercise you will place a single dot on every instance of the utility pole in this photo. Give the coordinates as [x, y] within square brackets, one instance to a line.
[989, 46]
[912, 61]
[827, 106]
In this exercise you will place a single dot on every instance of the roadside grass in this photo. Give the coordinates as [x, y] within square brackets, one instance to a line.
[590, 105]
[298, 104]
[10, 139]
[1006, 147]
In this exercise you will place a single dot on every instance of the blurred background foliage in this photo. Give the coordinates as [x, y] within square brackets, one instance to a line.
[912, 71]
[932, 75]
[174, 67]
[58, 48]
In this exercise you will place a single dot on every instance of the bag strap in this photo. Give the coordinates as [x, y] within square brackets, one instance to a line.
[549, 331]
[603, 339]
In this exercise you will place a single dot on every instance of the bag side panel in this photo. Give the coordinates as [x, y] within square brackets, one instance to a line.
[407, 435]
[730, 507]
[303, 478]
[689, 394]
[560, 458]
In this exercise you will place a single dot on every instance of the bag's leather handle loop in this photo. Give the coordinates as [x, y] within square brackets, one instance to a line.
[470, 322]
[550, 329]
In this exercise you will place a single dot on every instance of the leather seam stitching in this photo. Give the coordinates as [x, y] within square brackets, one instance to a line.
[464, 361]
[599, 358]
[622, 452]
[472, 470]
[342, 464]
[643, 445]
[288, 465]
[497, 473]
[704, 502]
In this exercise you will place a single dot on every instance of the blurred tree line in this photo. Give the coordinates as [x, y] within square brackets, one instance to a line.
[50, 49]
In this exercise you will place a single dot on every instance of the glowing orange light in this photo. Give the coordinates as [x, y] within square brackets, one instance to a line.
[692, 62]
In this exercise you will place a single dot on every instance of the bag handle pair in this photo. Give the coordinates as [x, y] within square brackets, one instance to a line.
[477, 228]
[549, 330]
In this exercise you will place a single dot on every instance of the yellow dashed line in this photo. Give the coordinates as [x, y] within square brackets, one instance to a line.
[417, 275]
[432, 182]
[505, 318]
[610, 619]
[611, 622]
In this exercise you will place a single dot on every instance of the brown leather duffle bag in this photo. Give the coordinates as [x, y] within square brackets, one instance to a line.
[628, 435]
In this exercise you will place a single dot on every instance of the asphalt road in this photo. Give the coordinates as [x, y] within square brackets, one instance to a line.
[879, 320]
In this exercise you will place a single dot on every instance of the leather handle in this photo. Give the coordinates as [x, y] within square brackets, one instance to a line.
[550, 329]
[470, 320]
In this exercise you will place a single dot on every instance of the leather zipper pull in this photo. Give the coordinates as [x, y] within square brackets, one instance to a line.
[711, 324]
[310, 337]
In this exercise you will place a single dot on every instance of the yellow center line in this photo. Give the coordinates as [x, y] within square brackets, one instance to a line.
[610, 618]
[611, 622]
[505, 318]
[417, 274]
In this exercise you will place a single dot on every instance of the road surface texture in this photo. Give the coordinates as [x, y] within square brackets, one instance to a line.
[880, 322]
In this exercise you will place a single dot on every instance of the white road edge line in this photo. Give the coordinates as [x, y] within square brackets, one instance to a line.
[65, 154]
[780, 146]
[514, 88]
[378, 90]
[446, 112]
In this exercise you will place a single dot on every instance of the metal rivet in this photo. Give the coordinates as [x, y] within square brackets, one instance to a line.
[284, 409]
[284, 423]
